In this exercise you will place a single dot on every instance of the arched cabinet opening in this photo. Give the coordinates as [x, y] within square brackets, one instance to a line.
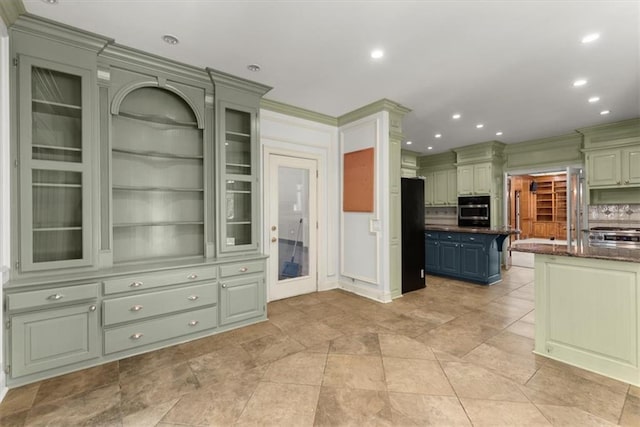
[157, 179]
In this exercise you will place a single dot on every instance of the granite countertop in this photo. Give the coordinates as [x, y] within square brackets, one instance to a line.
[456, 229]
[612, 254]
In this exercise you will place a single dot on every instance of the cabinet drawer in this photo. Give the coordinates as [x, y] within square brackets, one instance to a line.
[52, 297]
[431, 235]
[472, 238]
[143, 333]
[451, 237]
[157, 279]
[136, 307]
[241, 268]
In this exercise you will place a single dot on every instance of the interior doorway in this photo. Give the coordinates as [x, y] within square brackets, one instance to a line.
[292, 220]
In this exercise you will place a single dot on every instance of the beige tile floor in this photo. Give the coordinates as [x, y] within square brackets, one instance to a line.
[451, 354]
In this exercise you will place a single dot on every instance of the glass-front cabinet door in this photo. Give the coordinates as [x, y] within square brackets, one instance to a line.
[54, 130]
[238, 214]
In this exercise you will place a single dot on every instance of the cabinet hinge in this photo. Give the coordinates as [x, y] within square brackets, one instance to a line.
[15, 61]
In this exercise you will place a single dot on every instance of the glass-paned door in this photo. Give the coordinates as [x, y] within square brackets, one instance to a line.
[292, 226]
[54, 165]
[239, 210]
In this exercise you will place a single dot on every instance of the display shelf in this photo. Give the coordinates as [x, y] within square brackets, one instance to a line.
[56, 229]
[56, 108]
[134, 188]
[151, 118]
[157, 224]
[155, 154]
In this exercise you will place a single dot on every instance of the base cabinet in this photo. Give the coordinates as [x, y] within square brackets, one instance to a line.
[468, 256]
[241, 299]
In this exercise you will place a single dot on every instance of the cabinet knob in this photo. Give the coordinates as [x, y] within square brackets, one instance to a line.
[92, 308]
[192, 276]
[135, 284]
[243, 270]
[224, 286]
[136, 336]
[626, 182]
[618, 182]
[55, 297]
[193, 297]
[193, 323]
[136, 308]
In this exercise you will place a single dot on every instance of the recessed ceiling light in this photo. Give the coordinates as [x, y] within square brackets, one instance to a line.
[377, 53]
[169, 39]
[253, 67]
[50, 1]
[604, 112]
[438, 135]
[594, 99]
[429, 148]
[498, 133]
[409, 142]
[590, 38]
[456, 116]
[479, 126]
[580, 82]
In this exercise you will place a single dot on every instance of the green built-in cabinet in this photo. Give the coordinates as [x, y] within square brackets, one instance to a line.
[441, 179]
[614, 167]
[136, 199]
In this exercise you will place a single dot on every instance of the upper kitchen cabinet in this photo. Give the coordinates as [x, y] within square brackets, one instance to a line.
[612, 157]
[237, 162]
[54, 122]
[408, 164]
[160, 154]
[441, 187]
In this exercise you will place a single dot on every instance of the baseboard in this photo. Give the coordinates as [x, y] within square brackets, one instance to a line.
[373, 294]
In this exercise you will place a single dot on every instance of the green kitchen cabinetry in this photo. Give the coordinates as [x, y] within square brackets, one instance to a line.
[445, 192]
[614, 168]
[475, 179]
[441, 187]
[135, 198]
[429, 188]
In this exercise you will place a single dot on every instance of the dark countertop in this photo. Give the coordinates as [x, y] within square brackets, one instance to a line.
[456, 229]
[611, 254]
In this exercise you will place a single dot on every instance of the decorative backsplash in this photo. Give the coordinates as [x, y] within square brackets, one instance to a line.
[615, 215]
[447, 215]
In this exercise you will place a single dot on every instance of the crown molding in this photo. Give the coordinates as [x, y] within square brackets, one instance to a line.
[10, 10]
[301, 113]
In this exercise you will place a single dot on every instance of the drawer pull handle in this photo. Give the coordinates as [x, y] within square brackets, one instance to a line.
[92, 308]
[135, 284]
[136, 336]
[193, 323]
[224, 286]
[193, 297]
[55, 297]
[192, 276]
[136, 308]
[449, 237]
[472, 238]
[243, 270]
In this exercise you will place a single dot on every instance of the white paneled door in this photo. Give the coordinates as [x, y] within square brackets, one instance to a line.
[292, 223]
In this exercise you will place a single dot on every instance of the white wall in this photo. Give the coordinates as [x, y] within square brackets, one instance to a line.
[5, 259]
[287, 135]
[365, 236]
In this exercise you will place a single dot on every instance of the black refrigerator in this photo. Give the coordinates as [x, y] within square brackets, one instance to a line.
[412, 234]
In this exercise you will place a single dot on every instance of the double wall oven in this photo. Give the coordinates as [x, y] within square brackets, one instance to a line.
[474, 211]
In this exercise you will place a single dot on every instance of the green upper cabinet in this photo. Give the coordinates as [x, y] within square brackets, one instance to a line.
[452, 187]
[614, 168]
[475, 179]
[465, 180]
[429, 189]
[446, 188]
[54, 93]
[237, 162]
[441, 187]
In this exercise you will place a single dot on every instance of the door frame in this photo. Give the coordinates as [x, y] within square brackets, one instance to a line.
[320, 214]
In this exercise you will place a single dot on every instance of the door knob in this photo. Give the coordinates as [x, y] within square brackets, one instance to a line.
[274, 239]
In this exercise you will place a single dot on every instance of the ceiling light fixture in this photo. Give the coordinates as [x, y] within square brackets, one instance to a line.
[429, 148]
[590, 38]
[604, 112]
[456, 116]
[254, 67]
[409, 142]
[479, 126]
[50, 1]
[594, 99]
[377, 53]
[170, 39]
[438, 135]
[580, 82]
[499, 133]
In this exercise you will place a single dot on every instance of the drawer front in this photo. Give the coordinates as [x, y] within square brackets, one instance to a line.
[52, 297]
[136, 307]
[241, 268]
[157, 279]
[431, 235]
[143, 333]
[451, 237]
[472, 238]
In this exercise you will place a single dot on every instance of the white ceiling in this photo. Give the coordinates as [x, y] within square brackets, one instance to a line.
[507, 64]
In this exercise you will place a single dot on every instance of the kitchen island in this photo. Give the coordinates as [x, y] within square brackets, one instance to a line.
[587, 303]
[465, 253]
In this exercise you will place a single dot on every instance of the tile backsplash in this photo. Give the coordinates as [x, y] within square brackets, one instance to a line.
[447, 215]
[625, 215]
